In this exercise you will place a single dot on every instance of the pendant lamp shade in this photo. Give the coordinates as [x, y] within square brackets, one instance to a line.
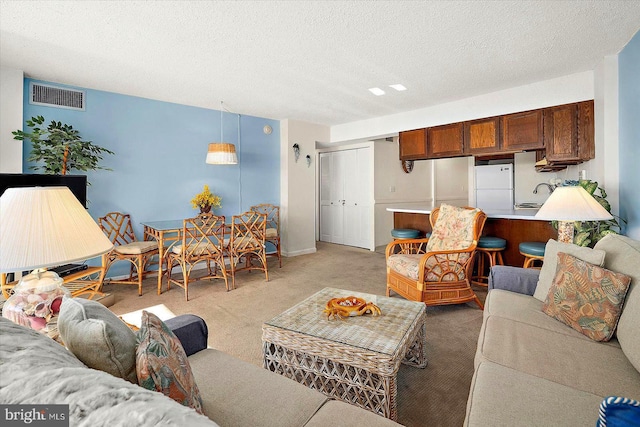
[222, 153]
[45, 227]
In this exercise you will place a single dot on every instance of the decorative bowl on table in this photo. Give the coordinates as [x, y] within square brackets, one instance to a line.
[35, 300]
[340, 308]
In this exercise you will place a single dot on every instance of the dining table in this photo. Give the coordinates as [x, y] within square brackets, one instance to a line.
[166, 231]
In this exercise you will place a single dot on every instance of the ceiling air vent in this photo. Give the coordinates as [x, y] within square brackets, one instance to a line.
[52, 96]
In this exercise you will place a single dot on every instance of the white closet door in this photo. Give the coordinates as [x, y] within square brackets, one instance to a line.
[346, 197]
[338, 167]
[325, 197]
[351, 187]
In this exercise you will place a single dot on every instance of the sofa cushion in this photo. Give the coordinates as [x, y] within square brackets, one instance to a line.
[58, 377]
[549, 266]
[526, 309]
[586, 297]
[574, 361]
[98, 337]
[623, 256]
[162, 364]
[501, 396]
[240, 394]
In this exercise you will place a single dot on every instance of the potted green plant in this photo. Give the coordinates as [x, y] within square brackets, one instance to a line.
[206, 200]
[588, 233]
[60, 147]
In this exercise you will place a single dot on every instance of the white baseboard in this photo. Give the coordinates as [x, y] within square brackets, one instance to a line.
[301, 252]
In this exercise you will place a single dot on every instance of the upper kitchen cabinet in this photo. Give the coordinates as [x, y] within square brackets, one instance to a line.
[522, 131]
[561, 133]
[413, 144]
[482, 137]
[445, 141]
[586, 131]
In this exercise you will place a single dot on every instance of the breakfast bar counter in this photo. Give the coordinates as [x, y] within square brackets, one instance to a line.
[515, 226]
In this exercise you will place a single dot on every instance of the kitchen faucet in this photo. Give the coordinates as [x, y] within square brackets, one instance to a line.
[549, 186]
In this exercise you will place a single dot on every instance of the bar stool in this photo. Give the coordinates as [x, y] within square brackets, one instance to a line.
[532, 251]
[405, 233]
[492, 247]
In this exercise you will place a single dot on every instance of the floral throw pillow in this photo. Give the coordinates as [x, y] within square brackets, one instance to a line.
[586, 297]
[453, 229]
[162, 364]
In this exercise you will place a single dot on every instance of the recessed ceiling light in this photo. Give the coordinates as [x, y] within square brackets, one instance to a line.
[398, 87]
[376, 91]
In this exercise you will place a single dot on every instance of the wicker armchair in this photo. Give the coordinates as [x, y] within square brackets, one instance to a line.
[436, 270]
[117, 227]
[202, 241]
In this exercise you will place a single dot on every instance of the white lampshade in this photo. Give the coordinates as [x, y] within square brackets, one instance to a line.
[572, 204]
[222, 153]
[45, 227]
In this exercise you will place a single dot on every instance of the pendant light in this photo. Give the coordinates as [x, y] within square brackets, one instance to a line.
[221, 153]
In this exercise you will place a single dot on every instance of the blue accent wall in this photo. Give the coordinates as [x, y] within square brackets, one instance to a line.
[629, 120]
[159, 162]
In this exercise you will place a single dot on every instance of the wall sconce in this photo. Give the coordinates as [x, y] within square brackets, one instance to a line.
[296, 151]
[308, 160]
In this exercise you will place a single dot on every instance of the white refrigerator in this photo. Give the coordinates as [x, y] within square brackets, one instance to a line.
[494, 187]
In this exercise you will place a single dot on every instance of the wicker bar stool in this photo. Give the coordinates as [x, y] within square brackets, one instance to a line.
[532, 251]
[492, 248]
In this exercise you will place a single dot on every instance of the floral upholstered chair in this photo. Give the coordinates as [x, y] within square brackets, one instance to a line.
[436, 270]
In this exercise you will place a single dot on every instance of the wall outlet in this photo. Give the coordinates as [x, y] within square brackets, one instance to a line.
[392, 189]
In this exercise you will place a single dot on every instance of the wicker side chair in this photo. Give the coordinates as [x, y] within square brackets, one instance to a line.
[117, 227]
[247, 242]
[436, 270]
[273, 227]
[202, 242]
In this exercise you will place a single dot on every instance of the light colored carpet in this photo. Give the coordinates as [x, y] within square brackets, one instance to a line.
[435, 395]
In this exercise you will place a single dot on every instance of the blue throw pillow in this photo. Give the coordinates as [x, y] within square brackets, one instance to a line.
[619, 412]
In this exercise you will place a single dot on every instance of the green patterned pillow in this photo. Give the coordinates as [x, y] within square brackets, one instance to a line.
[162, 364]
[586, 297]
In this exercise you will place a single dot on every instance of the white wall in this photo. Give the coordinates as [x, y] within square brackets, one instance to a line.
[451, 181]
[298, 190]
[393, 187]
[11, 96]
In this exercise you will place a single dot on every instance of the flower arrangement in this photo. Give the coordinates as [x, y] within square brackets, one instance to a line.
[206, 200]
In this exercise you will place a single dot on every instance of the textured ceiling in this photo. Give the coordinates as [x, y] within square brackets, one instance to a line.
[310, 60]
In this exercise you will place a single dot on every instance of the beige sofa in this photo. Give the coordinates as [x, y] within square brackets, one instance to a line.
[36, 370]
[532, 370]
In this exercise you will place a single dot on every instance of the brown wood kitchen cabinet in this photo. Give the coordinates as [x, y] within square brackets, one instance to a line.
[561, 133]
[569, 134]
[522, 131]
[483, 136]
[445, 141]
[413, 144]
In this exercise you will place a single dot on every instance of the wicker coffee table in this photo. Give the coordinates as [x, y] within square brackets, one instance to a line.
[355, 360]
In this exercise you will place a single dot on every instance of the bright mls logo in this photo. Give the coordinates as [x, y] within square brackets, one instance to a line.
[35, 415]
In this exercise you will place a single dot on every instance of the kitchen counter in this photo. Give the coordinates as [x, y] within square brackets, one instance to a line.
[527, 214]
[515, 226]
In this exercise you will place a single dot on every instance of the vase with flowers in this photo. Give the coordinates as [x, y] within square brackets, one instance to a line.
[206, 200]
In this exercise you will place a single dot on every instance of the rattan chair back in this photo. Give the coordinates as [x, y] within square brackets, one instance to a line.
[272, 227]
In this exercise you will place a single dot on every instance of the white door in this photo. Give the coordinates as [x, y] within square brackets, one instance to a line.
[345, 197]
[325, 197]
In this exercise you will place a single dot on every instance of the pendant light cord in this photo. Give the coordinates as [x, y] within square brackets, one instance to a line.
[239, 168]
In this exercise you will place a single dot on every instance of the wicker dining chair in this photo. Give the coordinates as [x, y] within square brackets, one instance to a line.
[273, 227]
[246, 244]
[117, 227]
[202, 242]
[436, 270]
